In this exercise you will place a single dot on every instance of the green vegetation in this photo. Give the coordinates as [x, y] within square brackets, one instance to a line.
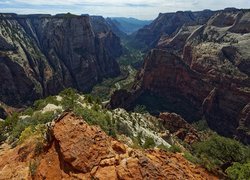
[174, 148]
[31, 122]
[239, 171]
[219, 152]
[131, 56]
[149, 143]
[130, 61]
[191, 158]
[69, 98]
[201, 125]
[20, 126]
[97, 117]
[123, 128]
[162, 147]
[216, 153]
[140, 109]
[40, 104]
[33, 167]
[223, 155]
[104, 89]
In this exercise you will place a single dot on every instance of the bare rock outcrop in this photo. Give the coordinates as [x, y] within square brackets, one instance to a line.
[179, 127]
[80, 151]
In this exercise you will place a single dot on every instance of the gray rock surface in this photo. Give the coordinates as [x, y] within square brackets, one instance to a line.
[41, 54]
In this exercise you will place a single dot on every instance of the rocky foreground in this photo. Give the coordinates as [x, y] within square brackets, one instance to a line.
[79, 151]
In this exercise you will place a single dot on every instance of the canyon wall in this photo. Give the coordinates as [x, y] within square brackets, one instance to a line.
[42, 54]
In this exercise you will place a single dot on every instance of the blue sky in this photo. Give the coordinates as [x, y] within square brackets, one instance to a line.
[141, 9]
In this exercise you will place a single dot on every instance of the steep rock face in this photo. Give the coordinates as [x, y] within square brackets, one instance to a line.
[215, 50]
[168, 24]
[176, 44]
[207, 75]
[179, 127]
[3, 113]
[80, 151]
[42, 54]
[223, 57]
[167, 76]
[244, 124]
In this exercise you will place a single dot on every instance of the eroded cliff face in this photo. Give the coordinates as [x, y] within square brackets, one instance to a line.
[168, 24]
[80, 151]
[41, 54]
[207, 74]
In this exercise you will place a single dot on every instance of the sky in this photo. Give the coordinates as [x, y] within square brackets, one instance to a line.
[141, 9]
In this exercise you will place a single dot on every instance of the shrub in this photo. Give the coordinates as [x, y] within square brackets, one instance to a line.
[69, 98]
[201, 125]
[221, 152]
[2, 132]
[149, 143]
[41, 103]
[162, 147]
[33, 167]
[174, 148]
[89, 98]
[94, 117]
[123, 128]
[95, 107]
[28, 132]
[112, 132]
[31, 122]
[139, 138]
[191, 158]
[10, 122]
[43, 118]
[140, 109]
[39, 147]
[239, 171]
[2, 138]
[29, 111]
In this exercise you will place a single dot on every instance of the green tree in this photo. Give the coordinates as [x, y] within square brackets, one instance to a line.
[221, 152]
[239, 171]
[149, 143]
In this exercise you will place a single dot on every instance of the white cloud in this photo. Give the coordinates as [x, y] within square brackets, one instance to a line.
[143, 9]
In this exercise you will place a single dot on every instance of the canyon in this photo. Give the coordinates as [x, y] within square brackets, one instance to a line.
[201, 71]
[88, 97]
[41, 55]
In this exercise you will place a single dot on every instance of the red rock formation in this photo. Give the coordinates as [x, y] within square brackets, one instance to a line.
[80, 151]
[209, 77]
[179, 127]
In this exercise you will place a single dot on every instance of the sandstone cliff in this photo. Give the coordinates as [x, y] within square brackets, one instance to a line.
[79, 151]
[201, 71]
[41, 54]
[168, 24]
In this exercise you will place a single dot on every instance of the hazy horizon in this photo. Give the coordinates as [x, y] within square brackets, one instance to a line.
[140, 9]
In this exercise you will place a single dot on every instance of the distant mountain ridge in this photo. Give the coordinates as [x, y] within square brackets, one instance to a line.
[129, 25]
[168, 24]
